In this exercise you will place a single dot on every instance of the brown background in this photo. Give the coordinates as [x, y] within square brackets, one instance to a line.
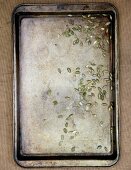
[6, 70]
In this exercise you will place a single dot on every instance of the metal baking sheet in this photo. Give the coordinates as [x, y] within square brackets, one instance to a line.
[65, 85]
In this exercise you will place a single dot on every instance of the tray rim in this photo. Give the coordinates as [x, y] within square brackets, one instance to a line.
[65, 163]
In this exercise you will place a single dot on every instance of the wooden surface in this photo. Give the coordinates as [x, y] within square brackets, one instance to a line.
[6, 70]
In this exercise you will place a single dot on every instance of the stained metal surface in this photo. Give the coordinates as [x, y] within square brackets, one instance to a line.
[65, 85]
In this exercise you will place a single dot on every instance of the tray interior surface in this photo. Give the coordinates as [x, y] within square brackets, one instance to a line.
[60, 104]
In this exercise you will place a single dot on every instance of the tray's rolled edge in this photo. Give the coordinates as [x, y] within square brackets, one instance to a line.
[117, 77]
[117, 70]
[19, 8]
[14, 12]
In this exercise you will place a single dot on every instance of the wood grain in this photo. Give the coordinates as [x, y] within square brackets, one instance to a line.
[6, 70]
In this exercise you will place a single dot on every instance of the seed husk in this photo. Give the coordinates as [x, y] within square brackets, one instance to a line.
[66, 124]
[65, 130]
[60, 116]
[69, 15]
[101, 123]
[69, 116]
[77, 68]
[73, 149]
[84, 16]
[62, 137]
[55, 102]
[76, 41]
[69, 70]
[59, 70]
[60, 143]
[106, 149]
[99, 147]
[102, 29]
[49, 91]
[77, 72]
[68, 32]
[80, 103]
[104, 104]
[76, 89]
[67, 97]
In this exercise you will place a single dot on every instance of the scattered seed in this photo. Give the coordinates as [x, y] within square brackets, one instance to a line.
[102, 29]
[66, 124]
[69, 70]
[94, 115]
[106, 149]
[67, 97]
[108, 23]
[107, 31]
[101, 123]
[75, 132]
[76, 89]
[69, 15]
[49, 91]
[94, 88]
[89, 81]
[107, 41]
[71, 137]
[93, 17]
[104, 15]
[83, 16]
[87, 108]
[104, 104]
[111, 130]
[55, 102]
[110, 17]
[73, 149]
[77, 68]
[60, 116]
[60, 143]
[99, 147]
[76, 41]
[65, 130]
[110, 108]
[93, 64]
[110, 76]
[59, 70]
[89, 104]
[69, 116]
[95, 42]
[68, 32]
[83, 75]
[91, 70]
[77, 72]
[90, 21]
[80, 103]
[81, 80]
[62, 137]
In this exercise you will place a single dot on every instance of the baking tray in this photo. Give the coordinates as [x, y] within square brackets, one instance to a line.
[66, 85]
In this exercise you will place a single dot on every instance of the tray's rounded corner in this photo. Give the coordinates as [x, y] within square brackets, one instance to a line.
[113, 8]
[115, 161]
[16, 9]
[19, 163]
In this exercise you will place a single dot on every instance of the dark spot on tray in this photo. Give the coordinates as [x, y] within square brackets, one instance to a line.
[85, 7]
